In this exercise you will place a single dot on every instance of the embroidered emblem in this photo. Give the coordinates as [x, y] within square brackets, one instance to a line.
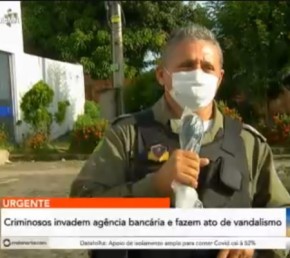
[158, 153]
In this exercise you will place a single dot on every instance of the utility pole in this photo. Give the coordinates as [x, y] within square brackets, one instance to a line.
[115, 13]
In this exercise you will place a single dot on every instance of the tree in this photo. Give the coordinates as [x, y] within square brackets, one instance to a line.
[78, 31]
[255, 38]
[142, 93]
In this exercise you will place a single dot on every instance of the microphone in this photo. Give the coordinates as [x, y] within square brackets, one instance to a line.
[190, 137]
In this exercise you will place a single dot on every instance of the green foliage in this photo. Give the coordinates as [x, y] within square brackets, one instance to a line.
[279, 134]
[34, 106]
[92, 109]
[231, 112]
[4, 137]
[142, 93]
[79, 32]
[35, 142]
[255, 38]
[59, 116]
[88, 130]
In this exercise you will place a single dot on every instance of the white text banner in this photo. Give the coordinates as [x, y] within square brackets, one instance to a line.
[44, 222]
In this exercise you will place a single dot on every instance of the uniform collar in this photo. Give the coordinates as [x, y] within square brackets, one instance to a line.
[163, 115]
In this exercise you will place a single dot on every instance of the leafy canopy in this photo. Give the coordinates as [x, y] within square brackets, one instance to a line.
[78, 31]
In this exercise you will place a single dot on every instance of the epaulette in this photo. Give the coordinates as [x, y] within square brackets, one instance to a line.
[255, 132]
[126, 118]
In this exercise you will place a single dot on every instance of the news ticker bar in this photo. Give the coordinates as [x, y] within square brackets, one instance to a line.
[143, 243]
[144, 222]
[136, 223]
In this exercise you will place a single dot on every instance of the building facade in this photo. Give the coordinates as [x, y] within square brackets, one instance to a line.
[20, 71]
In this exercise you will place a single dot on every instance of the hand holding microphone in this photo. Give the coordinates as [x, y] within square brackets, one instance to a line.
[183, 166]
[190, 137]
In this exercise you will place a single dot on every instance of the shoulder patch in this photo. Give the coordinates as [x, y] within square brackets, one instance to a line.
[126, 118]
[255, 132]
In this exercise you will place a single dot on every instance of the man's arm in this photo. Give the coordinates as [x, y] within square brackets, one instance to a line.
[104, 174]
[270, 191]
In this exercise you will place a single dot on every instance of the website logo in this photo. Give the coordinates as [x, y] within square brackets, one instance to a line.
[6, 242]
[10, 18]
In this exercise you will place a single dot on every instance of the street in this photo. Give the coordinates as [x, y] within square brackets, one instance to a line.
[31, 179]
[51, 179]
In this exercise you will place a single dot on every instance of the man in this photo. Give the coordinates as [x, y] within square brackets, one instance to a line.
[190, 73]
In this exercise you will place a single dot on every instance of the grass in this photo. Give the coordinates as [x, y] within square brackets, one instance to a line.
[61, 145]
[58, 146]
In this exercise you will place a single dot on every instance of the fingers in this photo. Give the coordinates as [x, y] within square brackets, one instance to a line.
[191, 159]
[223, 254]
[187, 175]
[192, 164]
[188, 167]
[229, 254]
[248, 253]
[236, 254]
[188, 154]
[193, 173]
[203, 162]
[187, 180]
[196, 164]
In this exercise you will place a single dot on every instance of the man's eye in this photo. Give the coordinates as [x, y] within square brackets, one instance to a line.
[208, 68]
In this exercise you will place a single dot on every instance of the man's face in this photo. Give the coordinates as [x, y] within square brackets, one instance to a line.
[187, 56]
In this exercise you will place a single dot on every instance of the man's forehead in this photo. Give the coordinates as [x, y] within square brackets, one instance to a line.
[203, 45]
[208, 51]
[192, 50]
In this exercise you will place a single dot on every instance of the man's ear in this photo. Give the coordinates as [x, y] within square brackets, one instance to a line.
[159, 73]
[221, 77]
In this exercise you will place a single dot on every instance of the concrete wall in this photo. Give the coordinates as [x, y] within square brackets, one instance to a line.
[95, 88]
[66, 79]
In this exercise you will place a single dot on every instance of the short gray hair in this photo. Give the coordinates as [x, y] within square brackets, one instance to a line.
[192, 32]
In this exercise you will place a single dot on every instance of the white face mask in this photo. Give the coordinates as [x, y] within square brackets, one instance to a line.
[194, 89]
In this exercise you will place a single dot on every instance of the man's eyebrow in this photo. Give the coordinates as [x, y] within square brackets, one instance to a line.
[188, 63]
[208, 64]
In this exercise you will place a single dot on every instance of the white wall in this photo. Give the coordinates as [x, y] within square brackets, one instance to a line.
[11, 39]
[66, 79]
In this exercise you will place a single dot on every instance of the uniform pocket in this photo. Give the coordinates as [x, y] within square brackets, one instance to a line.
[220, 183]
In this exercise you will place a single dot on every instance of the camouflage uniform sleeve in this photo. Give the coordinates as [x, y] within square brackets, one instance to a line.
[270, 191]
[104, 174]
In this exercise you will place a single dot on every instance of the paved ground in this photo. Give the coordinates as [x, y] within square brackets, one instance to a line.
[54, 179]
[39, 179]
[283, 170]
